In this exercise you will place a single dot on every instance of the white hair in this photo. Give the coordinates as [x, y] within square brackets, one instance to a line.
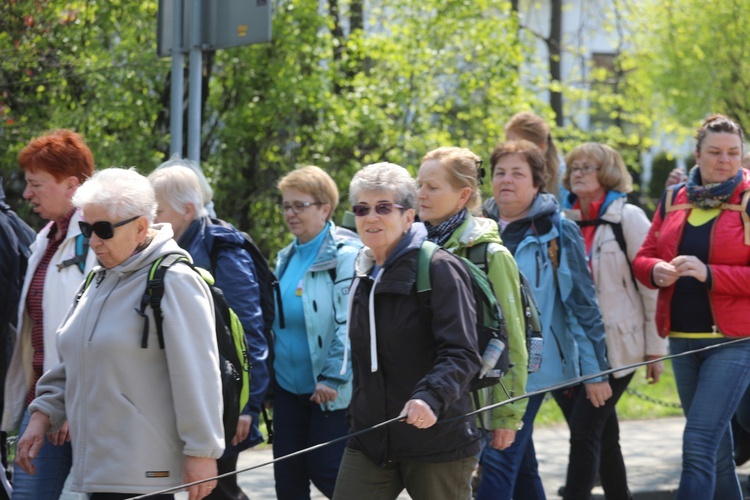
[122, 191]
[387, 178]
[207, 193]
[179, 186]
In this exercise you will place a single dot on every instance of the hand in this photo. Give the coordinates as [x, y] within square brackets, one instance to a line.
[598, 393]
[243, 429]
[654, 370]
[503, 438]
[198, 469]
[675, 177]
[664, 274]
[324, 394]
[688, 265]
[60, 437]
[31, 442]
[419, 414]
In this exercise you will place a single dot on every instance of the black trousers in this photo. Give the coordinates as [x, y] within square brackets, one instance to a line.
[594, 442]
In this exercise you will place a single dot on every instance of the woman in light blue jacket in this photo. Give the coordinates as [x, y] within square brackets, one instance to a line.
[310, 394]
[549, 251]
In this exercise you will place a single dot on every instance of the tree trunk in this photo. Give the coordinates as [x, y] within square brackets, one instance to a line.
[553, 47]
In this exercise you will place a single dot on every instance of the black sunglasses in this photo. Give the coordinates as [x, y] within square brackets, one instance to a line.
[361, 210]
[103, 229]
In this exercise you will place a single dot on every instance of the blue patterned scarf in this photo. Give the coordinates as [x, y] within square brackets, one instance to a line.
[439, 234]
[710, 195]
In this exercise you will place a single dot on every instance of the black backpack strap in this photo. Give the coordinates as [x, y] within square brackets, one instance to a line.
[153, 294]
[619, 237]
[477, 255]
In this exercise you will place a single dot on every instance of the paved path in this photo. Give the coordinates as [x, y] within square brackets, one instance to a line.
[652, 450]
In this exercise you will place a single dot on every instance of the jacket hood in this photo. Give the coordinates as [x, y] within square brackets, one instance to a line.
[540, 215]
[609, 199]
[473, 231]
[489, 209]
[162, 243]
[213, 233]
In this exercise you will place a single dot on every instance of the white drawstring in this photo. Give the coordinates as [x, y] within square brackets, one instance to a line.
[371, 313]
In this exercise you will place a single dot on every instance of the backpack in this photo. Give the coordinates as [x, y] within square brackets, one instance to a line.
[23, 235]
[477, 255]
[267, 281]
[742, 208]
[234, 364]
[492, 334]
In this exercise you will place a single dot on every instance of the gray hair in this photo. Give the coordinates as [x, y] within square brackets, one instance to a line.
[388, 178]
[178, 186]
[207, 193]
[122, 191]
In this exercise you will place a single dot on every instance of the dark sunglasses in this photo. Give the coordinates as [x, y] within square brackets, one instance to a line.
[103, 229]
[361, 210]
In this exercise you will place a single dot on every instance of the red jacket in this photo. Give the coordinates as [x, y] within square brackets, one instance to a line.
[729, 263]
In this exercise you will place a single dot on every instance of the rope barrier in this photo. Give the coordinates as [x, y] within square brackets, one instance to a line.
[562, 385]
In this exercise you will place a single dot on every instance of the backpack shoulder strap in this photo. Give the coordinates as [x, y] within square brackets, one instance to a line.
[620, 238]
[84, 287]
[79, 257]
[477, 255]
[668, 205]
[426, 251]
[742, 208]
[153, 294]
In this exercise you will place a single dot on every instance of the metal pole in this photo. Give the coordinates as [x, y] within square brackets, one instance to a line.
[194, 103]
[177, 83]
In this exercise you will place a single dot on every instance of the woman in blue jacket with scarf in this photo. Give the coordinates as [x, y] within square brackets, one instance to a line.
[312, 389]
[549, 251]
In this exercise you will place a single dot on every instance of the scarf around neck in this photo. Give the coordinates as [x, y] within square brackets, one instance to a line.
[707, 196]
[442, 232]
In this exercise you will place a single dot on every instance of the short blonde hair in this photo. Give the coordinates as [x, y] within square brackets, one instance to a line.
[612, 175]
[314, 181]
[462, 166]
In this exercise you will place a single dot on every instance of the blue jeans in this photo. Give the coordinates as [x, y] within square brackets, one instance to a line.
[52, 467]
[716, 380]
[299, 423]
[513, 472]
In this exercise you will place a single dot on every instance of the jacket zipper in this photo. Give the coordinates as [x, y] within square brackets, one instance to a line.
[715, 325]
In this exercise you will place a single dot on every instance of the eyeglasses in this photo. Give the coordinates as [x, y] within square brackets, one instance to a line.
[361, 210]
[297, 207]
[583, 169]
[103, 229]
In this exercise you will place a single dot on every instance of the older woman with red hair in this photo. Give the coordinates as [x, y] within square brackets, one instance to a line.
[55, 165]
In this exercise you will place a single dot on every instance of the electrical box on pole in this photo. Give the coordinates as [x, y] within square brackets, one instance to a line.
[224, 24]
[204, 25]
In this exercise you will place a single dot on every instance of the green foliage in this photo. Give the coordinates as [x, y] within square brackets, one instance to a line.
[690, 71]
[660, 168]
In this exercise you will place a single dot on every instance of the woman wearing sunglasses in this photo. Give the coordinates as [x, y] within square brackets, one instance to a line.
[448, 194]
[311, 390]
[408, 358]
[55, 165]
[136, 424]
